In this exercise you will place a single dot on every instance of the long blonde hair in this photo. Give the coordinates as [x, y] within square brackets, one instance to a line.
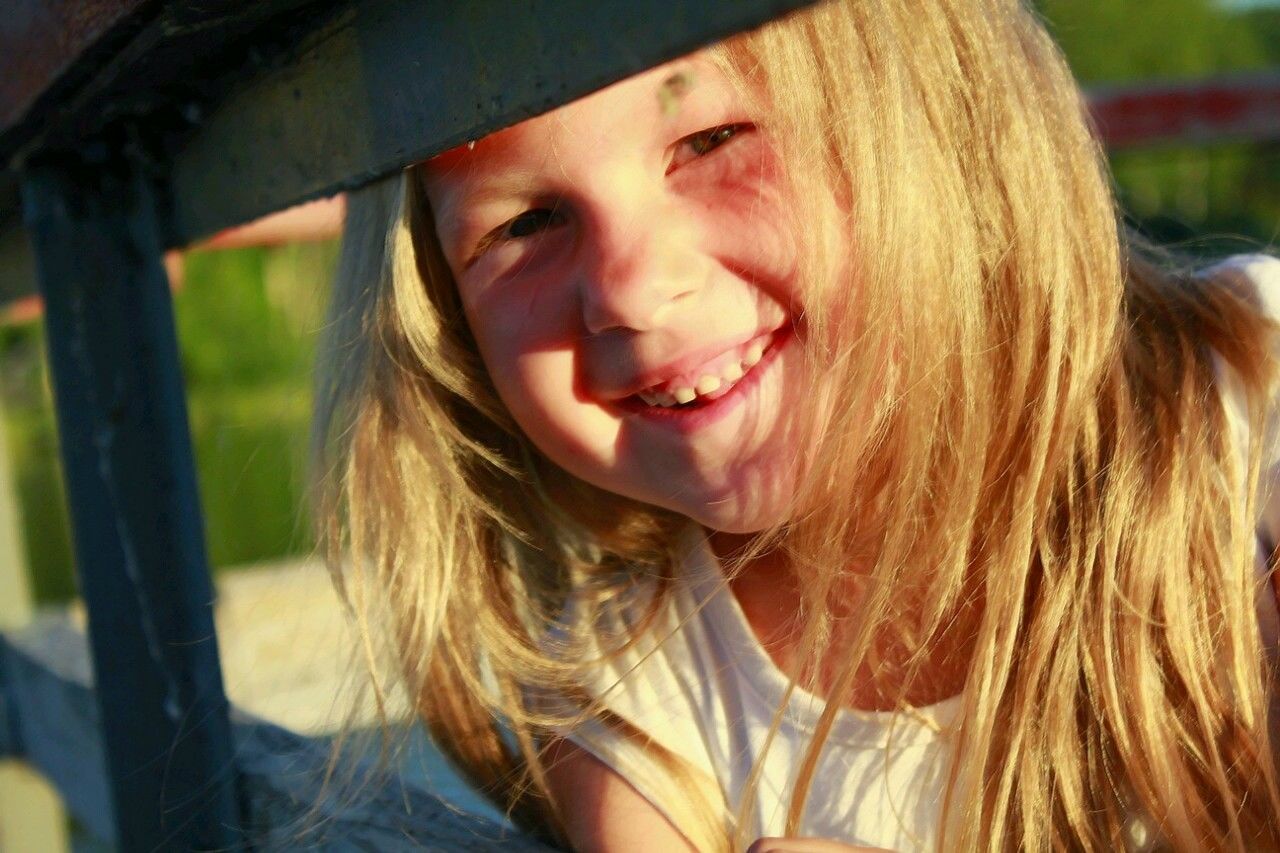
[1035, 443]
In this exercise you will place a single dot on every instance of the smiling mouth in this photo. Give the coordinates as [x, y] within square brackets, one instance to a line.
[678, 396]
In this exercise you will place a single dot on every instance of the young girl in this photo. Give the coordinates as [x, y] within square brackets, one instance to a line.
[788, 441]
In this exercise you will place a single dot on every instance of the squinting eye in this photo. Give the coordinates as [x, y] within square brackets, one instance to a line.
[531, 222]
[704, 142]
[527, 224]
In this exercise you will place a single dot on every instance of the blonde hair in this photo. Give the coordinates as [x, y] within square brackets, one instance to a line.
[1034, 456]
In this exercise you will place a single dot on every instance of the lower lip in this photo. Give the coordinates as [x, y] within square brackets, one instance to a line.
[699, 417]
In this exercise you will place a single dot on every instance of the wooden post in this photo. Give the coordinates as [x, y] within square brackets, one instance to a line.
[31, 816]
[131, 485]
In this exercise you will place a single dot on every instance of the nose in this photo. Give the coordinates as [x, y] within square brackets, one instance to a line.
[641, 264]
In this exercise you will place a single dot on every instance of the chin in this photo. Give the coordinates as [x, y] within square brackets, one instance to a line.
[764, 500]
[740, 520]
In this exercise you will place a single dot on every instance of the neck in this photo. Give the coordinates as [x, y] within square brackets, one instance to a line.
[769, 595]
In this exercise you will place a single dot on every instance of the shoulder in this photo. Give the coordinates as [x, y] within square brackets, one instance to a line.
[1246, 355]
[1260, 266]
[642, 728]
[601, 810]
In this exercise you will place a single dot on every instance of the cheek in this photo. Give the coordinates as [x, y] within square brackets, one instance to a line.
[514, 325]
[535, 370]
[750, 229]
[527, 356]
[529, 333]
[532, 314]
[538, 388]
[766, 248]
[579, 436]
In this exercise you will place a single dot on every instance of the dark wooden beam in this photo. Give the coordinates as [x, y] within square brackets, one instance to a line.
[50, 47]
[390, 82]
[83, 67]
[131, 485]
[243, 109]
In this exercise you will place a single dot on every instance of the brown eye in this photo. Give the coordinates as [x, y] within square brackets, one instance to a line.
[701, 143]
[531, 222]
[706, 141]
[522, 227]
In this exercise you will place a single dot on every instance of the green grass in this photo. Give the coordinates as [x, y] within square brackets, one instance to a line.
[251, 457]
[246, 325]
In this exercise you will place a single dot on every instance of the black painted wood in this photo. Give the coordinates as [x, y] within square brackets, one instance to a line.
[389, 82]
[242, 109]
[131, 484]
[71, 69]
[49, 47]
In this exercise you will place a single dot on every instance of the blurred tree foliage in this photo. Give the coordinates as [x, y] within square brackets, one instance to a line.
[1213, 199]
[246, 325]
[1108, 41]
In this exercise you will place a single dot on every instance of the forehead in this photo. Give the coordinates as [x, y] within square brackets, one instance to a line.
[649, 102]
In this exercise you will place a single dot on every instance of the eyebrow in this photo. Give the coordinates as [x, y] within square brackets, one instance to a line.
[508, 183]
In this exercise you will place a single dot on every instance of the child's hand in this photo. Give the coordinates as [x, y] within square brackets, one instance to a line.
[808, 845]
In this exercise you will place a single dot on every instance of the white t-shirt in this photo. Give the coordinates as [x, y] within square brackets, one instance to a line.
[700, 684]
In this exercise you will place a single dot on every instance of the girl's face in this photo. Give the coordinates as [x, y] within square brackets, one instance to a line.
[627, 266]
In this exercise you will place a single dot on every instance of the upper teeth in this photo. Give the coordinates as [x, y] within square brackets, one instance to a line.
[708, 383]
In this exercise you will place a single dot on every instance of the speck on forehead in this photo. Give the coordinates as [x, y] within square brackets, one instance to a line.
[672, 90]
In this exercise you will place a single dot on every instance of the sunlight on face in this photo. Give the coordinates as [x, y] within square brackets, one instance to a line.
[626, 264]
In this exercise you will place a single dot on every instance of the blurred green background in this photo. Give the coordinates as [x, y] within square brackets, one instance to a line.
[247, 318]
[1211, 200]
[247, 322]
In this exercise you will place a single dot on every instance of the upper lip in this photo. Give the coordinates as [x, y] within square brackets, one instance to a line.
[687, 362]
